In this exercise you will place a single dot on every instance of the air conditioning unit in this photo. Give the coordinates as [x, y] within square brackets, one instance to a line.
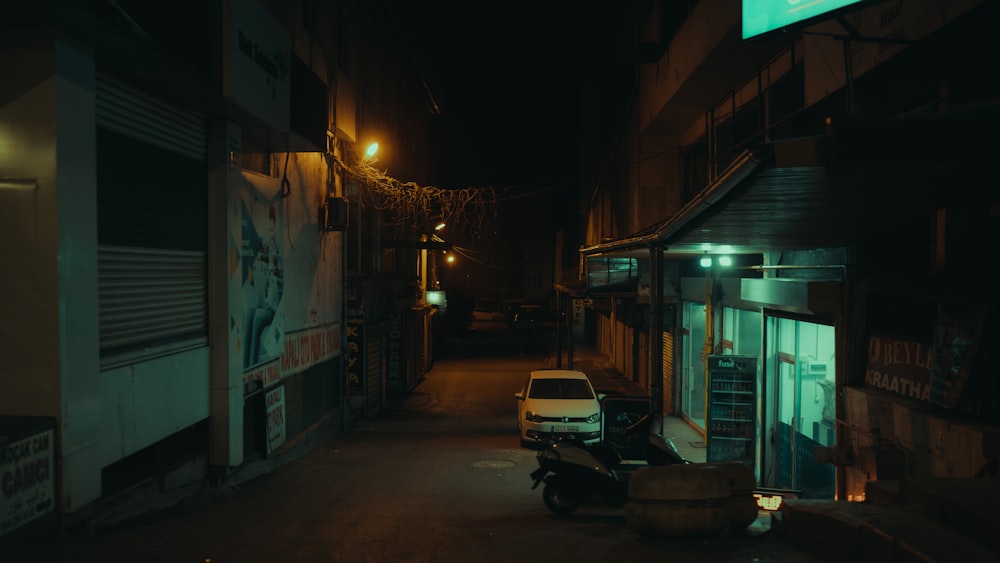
[333, 214]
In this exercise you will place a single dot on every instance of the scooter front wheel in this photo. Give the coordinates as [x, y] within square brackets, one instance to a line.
[557, 499]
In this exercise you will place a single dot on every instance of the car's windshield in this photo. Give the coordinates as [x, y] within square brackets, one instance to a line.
[560, 389]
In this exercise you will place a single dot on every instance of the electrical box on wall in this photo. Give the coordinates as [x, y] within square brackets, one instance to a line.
[333, 214]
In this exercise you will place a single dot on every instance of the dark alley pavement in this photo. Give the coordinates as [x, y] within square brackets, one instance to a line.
[442, 477]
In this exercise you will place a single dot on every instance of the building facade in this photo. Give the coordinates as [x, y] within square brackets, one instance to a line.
[808, 204]
[185, 265]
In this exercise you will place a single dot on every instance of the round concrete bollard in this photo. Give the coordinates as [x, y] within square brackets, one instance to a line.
[678, 500]
[742, 507]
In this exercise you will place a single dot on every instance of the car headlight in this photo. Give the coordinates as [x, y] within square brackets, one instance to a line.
[596, 417]
[533, 417]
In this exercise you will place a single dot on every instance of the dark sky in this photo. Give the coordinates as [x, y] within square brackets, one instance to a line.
[508, 82]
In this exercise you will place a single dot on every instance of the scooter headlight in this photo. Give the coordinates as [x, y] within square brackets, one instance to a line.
[533, 417]
[596, 417]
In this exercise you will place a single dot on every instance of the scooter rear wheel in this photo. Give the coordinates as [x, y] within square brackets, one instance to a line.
[557, 500]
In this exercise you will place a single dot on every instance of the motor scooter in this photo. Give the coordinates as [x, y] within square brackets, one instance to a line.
[577, 474]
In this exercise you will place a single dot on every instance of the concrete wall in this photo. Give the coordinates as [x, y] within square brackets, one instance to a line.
[47, 162]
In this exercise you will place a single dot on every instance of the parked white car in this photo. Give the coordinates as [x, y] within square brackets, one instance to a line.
[558, 404]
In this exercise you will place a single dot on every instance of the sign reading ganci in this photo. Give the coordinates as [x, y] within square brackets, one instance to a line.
[26, 480]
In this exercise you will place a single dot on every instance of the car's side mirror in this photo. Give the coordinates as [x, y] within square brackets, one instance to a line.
[600, 396]
[519, 395]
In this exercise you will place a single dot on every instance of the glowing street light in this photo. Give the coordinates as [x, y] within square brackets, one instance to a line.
[371, 150]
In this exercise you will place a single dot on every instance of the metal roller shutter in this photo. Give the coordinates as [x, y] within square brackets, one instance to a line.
[373, 365]
[152, 225]
[668, 373]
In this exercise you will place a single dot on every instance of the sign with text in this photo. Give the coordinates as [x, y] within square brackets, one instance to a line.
[354, 356]
[900, 366]
[306, 348]
[267, 373]
[274, 402]
[396, 356]
[26, 480]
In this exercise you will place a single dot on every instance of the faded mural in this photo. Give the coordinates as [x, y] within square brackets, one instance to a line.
[285, 275]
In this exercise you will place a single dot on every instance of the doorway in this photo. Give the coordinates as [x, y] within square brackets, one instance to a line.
[800, 376]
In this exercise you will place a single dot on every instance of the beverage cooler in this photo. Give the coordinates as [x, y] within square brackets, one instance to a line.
[731, 426]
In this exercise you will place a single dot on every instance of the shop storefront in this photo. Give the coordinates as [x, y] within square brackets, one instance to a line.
[799, 404]
[792, 397]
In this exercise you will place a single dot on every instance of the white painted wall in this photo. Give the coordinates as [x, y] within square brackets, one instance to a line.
[145, 402]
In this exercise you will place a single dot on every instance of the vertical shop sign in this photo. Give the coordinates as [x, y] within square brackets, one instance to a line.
[26, 480]
[578, 311]
[355, 358]
[274, 402]
[396, 356]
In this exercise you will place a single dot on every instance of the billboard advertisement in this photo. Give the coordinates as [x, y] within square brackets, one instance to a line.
[764, 16]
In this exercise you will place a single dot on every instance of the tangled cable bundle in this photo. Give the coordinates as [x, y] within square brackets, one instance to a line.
[408, 203]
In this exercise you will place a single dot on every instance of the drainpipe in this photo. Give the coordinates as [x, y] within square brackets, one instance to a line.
[709, 332]
[656, 331]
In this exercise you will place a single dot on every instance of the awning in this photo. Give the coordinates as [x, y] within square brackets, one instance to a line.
[864, 180]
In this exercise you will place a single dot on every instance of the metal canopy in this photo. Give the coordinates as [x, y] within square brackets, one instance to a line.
[866, 180]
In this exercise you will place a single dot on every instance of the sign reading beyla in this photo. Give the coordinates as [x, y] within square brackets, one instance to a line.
[900, 366]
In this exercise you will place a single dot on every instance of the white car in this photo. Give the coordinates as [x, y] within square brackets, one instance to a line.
[558, 404]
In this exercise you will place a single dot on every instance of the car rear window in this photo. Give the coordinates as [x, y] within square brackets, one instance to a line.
[560, 389]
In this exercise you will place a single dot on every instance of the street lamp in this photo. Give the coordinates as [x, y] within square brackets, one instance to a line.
[371, 150]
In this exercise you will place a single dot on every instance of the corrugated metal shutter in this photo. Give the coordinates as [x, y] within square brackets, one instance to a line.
[129, 111]
[152, 225]
[149, 295]
[373, 376]
[668, 373]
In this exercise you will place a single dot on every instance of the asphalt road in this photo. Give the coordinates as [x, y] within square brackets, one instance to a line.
[441, 479]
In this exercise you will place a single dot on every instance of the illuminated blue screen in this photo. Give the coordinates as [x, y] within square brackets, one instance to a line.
[762, 16]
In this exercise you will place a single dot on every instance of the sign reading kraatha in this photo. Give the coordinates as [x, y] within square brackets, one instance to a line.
[26, 480]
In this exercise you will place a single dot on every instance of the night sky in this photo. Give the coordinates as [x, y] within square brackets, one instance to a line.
[507, 77]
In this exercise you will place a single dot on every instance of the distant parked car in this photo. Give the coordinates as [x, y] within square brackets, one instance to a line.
[529, 318]
[487, 315]
[484, 314]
